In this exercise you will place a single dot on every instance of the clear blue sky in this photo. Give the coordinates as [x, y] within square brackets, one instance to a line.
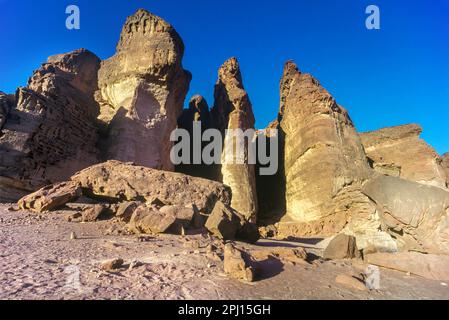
[397, 75]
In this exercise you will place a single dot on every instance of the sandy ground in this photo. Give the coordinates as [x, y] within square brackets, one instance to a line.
[39, 260]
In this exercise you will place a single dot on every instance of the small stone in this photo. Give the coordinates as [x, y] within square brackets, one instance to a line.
[73, 236]
[111, 265]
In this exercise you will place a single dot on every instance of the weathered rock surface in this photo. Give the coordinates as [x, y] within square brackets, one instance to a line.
[429, 266]
[48, 130]
[237, 264]
[399, 152]
[50, 197]
[126, 209]
[92, 213]
[417, 215]
[445, 165]
[324, 160]
[150, 220]
[141, 91]
[226, 223]
[342, 247]
[350, 282]
[233, 110]
[127, 182]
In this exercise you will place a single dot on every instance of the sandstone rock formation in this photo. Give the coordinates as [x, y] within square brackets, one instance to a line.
[399, 152]
[141, 92]
[48, 130]
[116, 180]
[416, 215]
[324, 161]
[342, 247]
[445, 165]
[50, 197]
[233, 110]
[429, 266]
[227, 224]
[237, 264]
[197, 112]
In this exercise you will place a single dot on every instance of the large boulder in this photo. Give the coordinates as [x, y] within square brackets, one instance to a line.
[51, 197]
[141, 91]
[237, 264]
[227, 224]
[48, 130]
[417, 215]
[233, 110]
[399, 152]
[324, 161]
[116, 180]
[342, 247]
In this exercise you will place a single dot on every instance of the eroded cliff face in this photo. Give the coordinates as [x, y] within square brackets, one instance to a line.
[445, 165]
[399, 152]
[48, 129]
[233, 110]
[141, 92]
[324, 161]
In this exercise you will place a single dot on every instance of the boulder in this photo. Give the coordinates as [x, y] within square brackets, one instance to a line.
[399, 152]
[324, 161]
[48, 130]
[342, 246]
[227, 224]
[150, 221]
[417, 215]
[50, 197]
[112, 265]
[232, 110]
[92, 213]
[429, 266]
[237, 264]
[184, 215]
[126, 209]
[120, 181]
[141, 92]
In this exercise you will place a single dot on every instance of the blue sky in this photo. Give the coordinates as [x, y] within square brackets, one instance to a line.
[392, 76]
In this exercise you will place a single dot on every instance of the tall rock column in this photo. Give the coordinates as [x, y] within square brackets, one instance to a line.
[142, 90]
[445, 165]
[233, 110]
[324, 160]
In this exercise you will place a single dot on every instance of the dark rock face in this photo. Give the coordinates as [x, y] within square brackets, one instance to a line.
[399, 152]
[141, 92]
[445, 165]
[198, 111]
[233, 110]
[48, 129]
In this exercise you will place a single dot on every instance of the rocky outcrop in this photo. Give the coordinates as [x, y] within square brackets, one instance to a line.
[324, 161]
[141, 92]
[416, 215]
[399, 152]
[118, 181]
[198, 112]
[233, 110]
[445, 165]
[48, 130]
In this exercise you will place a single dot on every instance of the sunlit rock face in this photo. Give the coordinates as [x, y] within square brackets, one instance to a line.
[48, 130]
[233, 110]
[141, 92]
[399, 152]
[445, 165]
[324, 161]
